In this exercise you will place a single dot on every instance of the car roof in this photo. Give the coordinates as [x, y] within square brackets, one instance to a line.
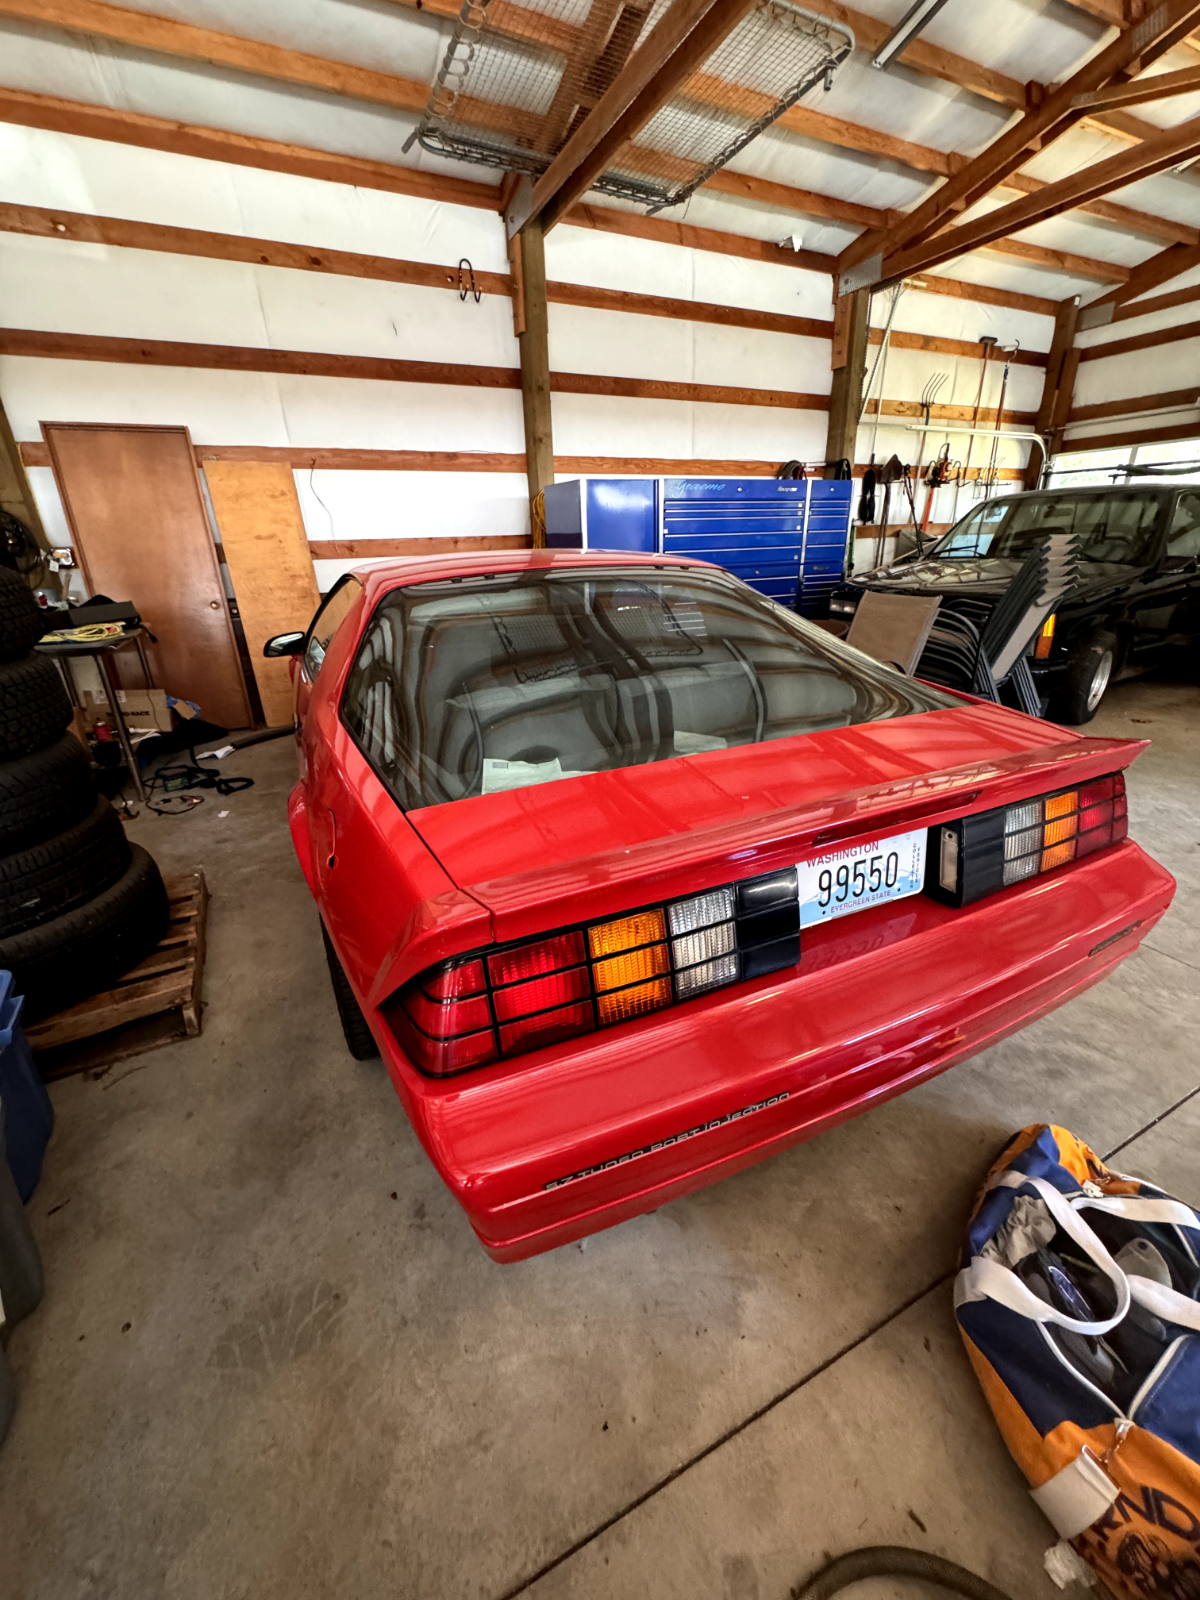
[1091, 489]
[381, 576]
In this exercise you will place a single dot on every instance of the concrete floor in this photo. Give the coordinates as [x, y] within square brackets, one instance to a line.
[272, 1360]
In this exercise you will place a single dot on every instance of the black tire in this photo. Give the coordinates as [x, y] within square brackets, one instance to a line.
[1090, 667]
[88, 949]
[21, 620]
[34, 708]
[53, 878]
[359, 1039]
[44, 793]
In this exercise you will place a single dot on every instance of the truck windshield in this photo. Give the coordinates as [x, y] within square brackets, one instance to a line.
[1114, 529]
[473, 685]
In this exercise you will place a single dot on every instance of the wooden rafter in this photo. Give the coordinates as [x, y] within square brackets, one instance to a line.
[1160, 269]
[1155, 155]
[1141, 92]
[1133, 49]
[688, 33]
[183, 40]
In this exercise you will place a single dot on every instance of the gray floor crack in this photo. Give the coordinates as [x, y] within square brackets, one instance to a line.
[1170, 955]
[768, 1406]
[723, 1439]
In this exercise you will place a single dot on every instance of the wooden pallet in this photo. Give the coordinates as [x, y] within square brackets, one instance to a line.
[154, 1003]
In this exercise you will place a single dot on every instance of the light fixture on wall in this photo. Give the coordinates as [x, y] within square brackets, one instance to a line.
[906, 31]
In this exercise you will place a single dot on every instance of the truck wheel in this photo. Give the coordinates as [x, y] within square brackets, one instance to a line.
[359, 1039]
[1089, 668]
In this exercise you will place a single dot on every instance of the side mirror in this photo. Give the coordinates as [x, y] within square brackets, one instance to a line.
[284, 644]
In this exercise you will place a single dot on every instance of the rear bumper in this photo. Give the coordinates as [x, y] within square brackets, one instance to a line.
[578, 1137]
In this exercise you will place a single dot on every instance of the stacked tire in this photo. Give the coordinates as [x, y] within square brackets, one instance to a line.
[79, 905]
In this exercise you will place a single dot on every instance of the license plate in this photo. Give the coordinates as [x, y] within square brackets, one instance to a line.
[865, 875]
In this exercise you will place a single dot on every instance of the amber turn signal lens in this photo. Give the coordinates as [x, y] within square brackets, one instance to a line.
[1045, 640]
[644, 927]
[1059, 854]
[632, 967]
[634, 1002]
[1061, 805]
[1064, 828]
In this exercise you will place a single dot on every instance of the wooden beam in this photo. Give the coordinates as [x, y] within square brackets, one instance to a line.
[1166, 400]
[1142, 341]
[141, 30]
[1140, 92]
[1125, 217]
[851, 329]
[533, 339]
[687, 34]
[1116, 441]
[310, 363]
[913, 410]
[935, 344]
[1063, 340]
[99, 122]
[34, 453]
[431, 544]
[1038, 255]
[1160, 269]
[1159, 302]
[1042, 123]
[633, 225]
[1155, 155]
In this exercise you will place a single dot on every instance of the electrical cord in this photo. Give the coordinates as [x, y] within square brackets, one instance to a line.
[167, 782]
[894, 1561]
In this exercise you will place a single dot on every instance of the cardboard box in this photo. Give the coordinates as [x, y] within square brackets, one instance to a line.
[144, 710]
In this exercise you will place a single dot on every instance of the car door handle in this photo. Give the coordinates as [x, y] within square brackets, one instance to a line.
[332, 857]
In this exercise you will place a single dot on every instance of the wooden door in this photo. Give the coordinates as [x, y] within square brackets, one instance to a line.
[133, 501]
[266, 550]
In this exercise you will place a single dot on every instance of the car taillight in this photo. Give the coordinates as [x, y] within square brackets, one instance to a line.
[1045, 640]
[995, 849]
[502, 1001]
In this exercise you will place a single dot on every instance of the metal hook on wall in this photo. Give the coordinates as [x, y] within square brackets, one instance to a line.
[468, 285]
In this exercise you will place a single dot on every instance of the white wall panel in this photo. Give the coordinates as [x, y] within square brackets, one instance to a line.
[136, 294]
[372, 414]
[412, 505]
[218, 407]
[1162, 367]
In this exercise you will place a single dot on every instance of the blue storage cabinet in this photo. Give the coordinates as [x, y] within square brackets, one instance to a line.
[754, 527]
[602, 514]
[786, 538]
[825, 540]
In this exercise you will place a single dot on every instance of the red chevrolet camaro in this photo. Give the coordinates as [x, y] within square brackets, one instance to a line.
[635, 878]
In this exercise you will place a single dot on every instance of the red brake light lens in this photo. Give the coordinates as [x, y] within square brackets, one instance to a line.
[478, 1008]
[996, 849]
[542, 955]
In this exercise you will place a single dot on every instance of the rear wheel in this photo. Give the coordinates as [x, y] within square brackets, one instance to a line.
[1090, 667]
[359, 1039]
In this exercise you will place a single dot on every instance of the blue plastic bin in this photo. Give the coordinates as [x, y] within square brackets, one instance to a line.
[29, 1116]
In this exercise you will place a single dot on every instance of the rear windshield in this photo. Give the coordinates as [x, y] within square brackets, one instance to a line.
[1115, 530]
[480, 684]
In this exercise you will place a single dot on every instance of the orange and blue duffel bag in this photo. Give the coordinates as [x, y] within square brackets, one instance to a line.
[1079, 1304]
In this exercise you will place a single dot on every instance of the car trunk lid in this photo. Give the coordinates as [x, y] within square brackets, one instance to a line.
[593, 846]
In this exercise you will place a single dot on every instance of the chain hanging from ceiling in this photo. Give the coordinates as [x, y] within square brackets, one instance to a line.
[517, 80]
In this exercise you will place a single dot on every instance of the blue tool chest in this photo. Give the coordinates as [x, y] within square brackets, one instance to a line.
[786, 538]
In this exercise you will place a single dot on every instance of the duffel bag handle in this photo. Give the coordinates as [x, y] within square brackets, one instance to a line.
[988, 1279]
[1162, 1300]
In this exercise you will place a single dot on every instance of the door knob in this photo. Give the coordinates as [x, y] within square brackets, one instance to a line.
[215, 604]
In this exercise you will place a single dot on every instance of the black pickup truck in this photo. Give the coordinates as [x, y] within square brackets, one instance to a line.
[1138, 594]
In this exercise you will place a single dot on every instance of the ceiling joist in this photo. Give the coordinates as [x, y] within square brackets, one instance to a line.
[1155, 155]
[146, 31]
[1133, 50]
